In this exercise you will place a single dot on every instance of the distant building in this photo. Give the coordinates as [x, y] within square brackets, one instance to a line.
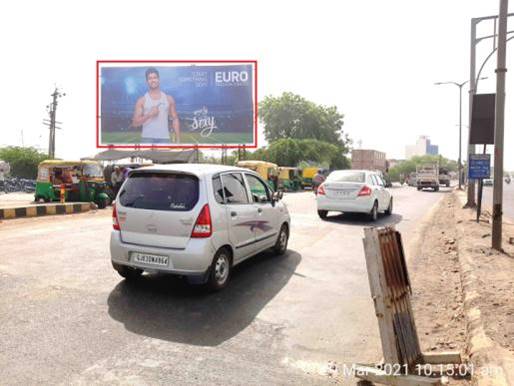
[394, 162]
[422, 147]
[369, 160]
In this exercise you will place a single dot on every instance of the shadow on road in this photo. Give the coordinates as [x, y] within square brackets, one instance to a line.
[166, 307]
[360, 219]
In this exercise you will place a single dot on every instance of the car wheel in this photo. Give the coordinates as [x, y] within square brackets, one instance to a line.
[128, 273]
[322, 214]
[283, 237]
[389, 209]
[220, 270]
[373, 215]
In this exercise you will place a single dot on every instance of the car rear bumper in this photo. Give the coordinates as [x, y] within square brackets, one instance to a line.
[194, 260]
[357, 205]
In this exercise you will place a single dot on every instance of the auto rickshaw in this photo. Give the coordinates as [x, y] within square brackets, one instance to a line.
[307, 175]
[289, 179]
[267, 170]
[83, 181]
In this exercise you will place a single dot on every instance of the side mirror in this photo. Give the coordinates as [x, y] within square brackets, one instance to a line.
[278, 195]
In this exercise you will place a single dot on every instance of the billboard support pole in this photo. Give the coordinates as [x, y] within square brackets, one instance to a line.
[499, 127]
[480, 191]
[223, 155]
[197, 154]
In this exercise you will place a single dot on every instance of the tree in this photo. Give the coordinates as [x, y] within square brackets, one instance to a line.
[292, 116]
[23, 160]
[408, 166]
[295, 152]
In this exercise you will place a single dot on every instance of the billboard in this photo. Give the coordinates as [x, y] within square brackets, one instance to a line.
[176, 104]
[482, 119]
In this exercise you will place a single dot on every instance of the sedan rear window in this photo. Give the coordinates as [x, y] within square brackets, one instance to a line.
[160, 191]
[346, 176]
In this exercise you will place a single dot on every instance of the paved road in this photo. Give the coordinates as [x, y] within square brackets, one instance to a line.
[508, 199]
[9, 200]
[67, 317]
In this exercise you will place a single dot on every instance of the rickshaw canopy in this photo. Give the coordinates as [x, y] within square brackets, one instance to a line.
[261, 167]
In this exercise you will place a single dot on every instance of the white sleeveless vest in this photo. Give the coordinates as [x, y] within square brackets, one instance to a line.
[156, 127]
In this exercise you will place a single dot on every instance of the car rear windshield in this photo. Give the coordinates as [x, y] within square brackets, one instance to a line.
[346, 176]
[160, 191]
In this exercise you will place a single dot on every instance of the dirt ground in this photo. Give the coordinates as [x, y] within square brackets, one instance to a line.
[436, 285]
[495, 274]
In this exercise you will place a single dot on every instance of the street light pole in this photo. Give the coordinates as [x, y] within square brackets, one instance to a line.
[459, 85]
[472, 90]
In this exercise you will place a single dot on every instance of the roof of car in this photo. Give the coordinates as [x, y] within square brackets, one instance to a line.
[355, 171]
[196, 169]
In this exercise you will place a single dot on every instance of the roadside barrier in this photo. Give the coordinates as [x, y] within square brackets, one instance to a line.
[404, 363]
[44, 210]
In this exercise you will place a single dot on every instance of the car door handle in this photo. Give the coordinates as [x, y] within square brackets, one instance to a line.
[259, 210]
[233, 214]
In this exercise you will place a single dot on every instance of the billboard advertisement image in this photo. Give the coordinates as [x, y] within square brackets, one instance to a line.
[175, 104]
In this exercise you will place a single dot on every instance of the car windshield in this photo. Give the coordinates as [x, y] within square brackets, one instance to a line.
[160, 191]
[346, 176]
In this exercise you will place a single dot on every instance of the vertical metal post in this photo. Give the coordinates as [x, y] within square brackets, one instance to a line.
[472, 91]
[480, 191]
[499, 126]
[460, 136]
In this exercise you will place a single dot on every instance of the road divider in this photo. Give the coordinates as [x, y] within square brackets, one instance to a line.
[45, 210]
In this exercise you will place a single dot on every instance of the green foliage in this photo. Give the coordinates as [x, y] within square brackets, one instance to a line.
[295, 152]
[23, 160]
[406, 167]
[292, 116]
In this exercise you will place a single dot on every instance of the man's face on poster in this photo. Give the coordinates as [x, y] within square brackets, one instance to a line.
[153, 81]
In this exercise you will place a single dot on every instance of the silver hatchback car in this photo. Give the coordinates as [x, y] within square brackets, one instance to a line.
[195, 220]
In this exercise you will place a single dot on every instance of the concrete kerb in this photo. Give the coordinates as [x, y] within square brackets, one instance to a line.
[45, 210]
[490, 361]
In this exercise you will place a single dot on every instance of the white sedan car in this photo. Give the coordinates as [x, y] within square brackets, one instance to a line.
[354, 191]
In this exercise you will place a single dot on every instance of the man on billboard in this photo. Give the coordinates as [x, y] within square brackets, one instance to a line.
[153, 110]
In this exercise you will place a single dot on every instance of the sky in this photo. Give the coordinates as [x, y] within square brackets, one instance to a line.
[377, 61]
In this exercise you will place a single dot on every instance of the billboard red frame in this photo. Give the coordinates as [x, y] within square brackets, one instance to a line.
[171, 146]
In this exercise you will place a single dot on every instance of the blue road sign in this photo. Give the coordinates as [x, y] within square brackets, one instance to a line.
[479, 166]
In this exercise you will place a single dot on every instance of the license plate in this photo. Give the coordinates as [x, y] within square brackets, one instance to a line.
[342, 193]
[145, 258]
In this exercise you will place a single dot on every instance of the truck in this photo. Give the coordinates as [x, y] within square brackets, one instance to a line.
[364, 159]
[427, 176]
[444, 177]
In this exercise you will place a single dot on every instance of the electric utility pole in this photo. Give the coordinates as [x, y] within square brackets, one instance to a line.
[52, 110]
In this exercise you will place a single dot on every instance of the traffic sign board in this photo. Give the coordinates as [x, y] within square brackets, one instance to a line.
[479, 166]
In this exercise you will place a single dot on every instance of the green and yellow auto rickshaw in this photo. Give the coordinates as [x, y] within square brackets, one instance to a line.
[289, 179]
[307, 176]
[267, 170]
[81, 181]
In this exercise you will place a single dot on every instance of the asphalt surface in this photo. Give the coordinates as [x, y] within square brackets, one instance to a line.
[508, 199]
[67, 317]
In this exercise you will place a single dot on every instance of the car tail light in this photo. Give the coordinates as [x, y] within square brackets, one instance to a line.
[203, 225]
[321, 190]
[365, 191]
[115, 222]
